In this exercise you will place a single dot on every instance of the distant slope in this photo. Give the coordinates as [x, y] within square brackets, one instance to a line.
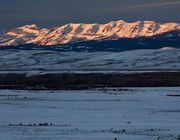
[47, 61]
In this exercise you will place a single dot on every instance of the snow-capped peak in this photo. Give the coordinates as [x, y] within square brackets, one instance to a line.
[31, 26]
[83, 32]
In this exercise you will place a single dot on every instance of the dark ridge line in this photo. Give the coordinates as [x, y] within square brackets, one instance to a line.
[87, 81]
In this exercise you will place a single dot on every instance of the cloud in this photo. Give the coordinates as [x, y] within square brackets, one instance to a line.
[149, 5]
[118, 8]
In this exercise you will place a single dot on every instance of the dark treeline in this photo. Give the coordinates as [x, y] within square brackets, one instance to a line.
[85, 81]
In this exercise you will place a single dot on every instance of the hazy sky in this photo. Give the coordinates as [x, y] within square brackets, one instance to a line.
[49, 13]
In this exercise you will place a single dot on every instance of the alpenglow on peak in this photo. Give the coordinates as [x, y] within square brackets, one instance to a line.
[75, 32]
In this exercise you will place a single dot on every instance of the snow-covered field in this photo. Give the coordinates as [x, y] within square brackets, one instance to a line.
[44, 61]
[97, 114]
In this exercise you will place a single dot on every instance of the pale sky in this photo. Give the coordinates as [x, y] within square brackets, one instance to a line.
[50, 13]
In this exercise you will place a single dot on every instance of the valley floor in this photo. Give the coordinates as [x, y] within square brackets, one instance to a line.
[96, 114]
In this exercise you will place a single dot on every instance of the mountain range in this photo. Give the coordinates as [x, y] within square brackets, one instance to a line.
[119, 34]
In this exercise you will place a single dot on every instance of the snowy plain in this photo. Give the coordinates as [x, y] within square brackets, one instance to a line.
[97, 114]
